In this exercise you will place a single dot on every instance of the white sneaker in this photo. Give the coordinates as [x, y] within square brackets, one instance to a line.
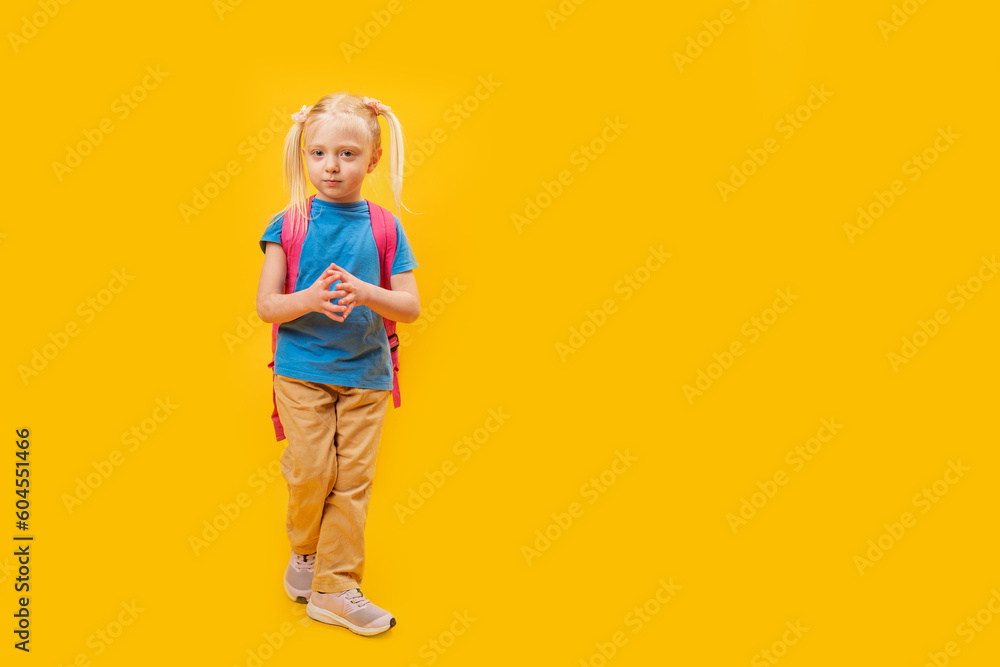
[350, 609]
[299, 576]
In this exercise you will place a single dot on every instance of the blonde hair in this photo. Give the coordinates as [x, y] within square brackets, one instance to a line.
[351, 111]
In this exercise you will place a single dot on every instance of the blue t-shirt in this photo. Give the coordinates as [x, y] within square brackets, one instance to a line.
[355, 352]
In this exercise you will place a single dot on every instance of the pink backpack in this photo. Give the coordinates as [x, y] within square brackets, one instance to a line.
[384, 231]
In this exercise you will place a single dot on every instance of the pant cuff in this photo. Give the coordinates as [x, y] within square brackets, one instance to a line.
[336, 585]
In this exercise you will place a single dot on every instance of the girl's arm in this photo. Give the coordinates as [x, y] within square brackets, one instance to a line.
[401, 303]
[275, 306]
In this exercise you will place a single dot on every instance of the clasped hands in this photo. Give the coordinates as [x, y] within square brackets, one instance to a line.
[351, 291]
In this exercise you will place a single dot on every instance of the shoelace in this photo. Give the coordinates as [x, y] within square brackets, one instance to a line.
[356, 597]
[304, 562]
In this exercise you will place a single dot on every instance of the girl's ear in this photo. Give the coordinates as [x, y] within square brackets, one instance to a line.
[374, 161]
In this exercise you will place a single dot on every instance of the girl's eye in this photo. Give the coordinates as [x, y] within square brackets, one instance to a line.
[317, 153]
[348, 153]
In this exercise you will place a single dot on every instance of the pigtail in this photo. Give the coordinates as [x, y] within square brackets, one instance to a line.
[396, 161]
[294, 175]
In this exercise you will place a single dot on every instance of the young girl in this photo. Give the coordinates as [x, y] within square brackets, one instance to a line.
[333, 373]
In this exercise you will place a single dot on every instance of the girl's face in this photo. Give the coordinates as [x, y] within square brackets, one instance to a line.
[338, 159]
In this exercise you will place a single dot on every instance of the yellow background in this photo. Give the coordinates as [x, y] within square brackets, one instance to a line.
[492, 341]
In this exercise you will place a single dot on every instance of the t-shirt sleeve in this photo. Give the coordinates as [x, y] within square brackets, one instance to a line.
[272, 233]
[404, 260]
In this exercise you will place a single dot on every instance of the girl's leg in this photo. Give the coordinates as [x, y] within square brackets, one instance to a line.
[360, 414]
[309, 463]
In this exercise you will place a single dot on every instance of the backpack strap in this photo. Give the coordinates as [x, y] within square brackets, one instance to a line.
[384, 231]
[293, 233]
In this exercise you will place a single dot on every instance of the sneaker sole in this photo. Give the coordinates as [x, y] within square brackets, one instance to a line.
[302, 597]
[324, 616]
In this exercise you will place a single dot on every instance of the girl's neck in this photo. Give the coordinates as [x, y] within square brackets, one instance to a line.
[341, 204]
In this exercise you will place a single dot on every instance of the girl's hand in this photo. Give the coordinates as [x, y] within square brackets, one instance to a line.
[353, 290]
[319, 294]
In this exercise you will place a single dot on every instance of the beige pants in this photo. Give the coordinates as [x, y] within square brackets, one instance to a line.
[332, 435]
